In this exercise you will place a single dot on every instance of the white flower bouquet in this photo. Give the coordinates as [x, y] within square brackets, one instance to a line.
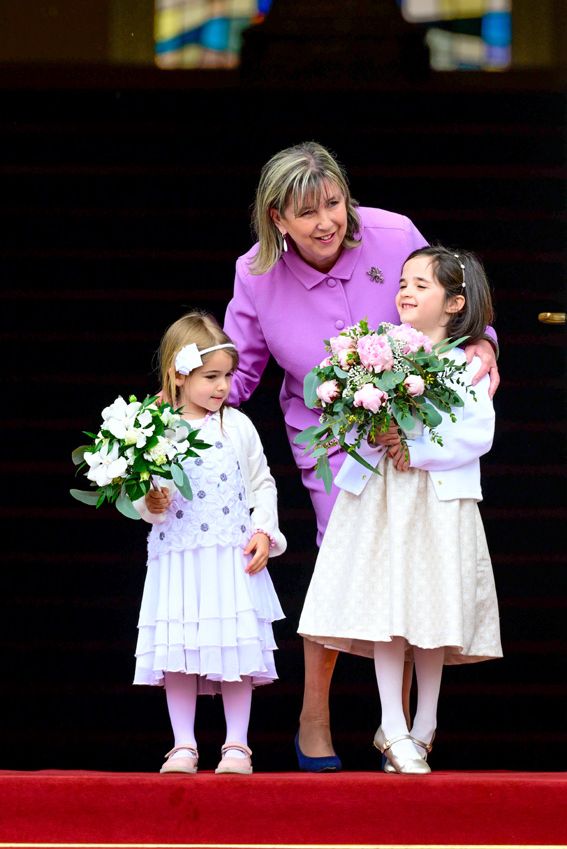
[371, 377]
[136, 440]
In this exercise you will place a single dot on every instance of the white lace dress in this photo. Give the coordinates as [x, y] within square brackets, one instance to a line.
[201, 613]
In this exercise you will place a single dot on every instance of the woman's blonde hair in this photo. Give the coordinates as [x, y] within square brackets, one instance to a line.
[299, 175]
[196, 326]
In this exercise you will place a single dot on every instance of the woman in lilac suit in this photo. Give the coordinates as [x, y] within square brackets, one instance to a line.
[321, 263]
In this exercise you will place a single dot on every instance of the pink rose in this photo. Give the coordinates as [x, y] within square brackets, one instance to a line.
[341, 343]
[411, 339]
[328, 391]
[324, 363]
[375, 352]
[369, 397]
[414, 384]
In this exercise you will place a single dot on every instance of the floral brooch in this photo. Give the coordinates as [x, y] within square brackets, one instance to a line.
[376, 274]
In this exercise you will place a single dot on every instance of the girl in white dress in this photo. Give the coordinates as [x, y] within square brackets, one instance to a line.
[404, 569]
[208, 604]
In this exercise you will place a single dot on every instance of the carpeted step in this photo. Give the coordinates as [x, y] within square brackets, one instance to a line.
[444, 809]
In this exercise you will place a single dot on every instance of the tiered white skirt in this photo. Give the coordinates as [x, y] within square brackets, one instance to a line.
[202, 614]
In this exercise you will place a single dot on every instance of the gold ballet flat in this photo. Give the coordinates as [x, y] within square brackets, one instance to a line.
[409, 766]
[427, 746]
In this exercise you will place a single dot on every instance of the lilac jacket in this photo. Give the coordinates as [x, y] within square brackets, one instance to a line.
[291, 309]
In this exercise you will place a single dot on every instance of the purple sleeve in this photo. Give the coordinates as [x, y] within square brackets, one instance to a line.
[243, 327]
[490, 332]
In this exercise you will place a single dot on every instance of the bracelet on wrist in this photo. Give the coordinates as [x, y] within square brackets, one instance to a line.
[270, 537]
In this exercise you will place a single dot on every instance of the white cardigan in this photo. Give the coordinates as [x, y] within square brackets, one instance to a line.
[259, 485]
[454, 467]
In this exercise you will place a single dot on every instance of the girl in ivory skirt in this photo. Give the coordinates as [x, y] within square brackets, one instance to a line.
[404, 568]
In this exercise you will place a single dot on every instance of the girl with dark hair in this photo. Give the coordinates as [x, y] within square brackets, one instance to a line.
[403, 571]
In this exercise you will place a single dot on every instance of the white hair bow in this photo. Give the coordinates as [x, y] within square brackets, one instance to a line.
[190, 357]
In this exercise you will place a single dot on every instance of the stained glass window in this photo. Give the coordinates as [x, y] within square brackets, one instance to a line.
[203, 33]
[464, 34]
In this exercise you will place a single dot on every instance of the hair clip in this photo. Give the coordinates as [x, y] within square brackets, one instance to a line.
[457, 256]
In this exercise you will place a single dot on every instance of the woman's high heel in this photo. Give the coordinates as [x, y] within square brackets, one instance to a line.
[327, 763]
[409, 766]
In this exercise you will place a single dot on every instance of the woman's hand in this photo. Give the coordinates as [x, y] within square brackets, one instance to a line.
[259, 543]
[158, 500]
[485, 352]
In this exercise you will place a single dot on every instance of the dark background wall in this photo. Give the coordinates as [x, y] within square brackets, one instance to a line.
[126, 195]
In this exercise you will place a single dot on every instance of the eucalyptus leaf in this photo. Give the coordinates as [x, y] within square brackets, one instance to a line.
[185, 486]
[320, 451]
[78, 454]
[404, 418]
[307, 435]
[85, 497]
[310, 383]
[430, 415]
[177, 474]
[389, 380]
[340, 373]
[439, 403]
[124, 505]
[323, 471]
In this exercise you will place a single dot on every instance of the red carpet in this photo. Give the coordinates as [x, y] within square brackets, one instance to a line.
[50, 808]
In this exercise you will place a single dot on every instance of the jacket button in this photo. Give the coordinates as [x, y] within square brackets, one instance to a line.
[339, 324]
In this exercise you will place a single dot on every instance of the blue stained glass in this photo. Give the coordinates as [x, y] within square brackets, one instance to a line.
[214, 34]
[496, 29]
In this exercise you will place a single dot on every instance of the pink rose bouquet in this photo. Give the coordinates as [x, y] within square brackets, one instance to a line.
[371, 377]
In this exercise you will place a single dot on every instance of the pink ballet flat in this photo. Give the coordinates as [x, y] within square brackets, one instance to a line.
[235, 766]
[187, 765]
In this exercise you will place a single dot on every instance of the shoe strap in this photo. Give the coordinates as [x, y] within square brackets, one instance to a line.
[389, 743]
[188, 747]
[426, 746]
[241, 748]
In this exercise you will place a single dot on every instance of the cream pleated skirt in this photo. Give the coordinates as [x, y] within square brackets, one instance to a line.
[396, 561]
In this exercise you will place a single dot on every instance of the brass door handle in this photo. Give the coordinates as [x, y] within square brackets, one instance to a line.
[552, 317]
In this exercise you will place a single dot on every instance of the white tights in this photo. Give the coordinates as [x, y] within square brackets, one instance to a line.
[181, 694]
[389, 664]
